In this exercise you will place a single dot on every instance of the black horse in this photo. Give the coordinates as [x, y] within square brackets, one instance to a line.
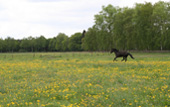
[123, 54]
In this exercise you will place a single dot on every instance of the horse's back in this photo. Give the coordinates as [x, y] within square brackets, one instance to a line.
[122, 53]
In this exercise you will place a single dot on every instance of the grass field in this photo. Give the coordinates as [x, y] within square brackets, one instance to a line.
[84, 79]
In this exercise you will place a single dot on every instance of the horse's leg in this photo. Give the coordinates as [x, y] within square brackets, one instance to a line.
[123, 58]
[115, 59]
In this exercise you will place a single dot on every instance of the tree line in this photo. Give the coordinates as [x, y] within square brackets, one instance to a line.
[145, 26]
[40, 44]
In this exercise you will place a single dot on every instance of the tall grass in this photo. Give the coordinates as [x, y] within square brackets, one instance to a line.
[84, 79]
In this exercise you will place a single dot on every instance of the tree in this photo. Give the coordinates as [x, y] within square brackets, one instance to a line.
[119, 38]
[24, 45]
[128, 28]
[52, 44]
[161, 26]
[40, 43]
[61, 42]
[11, 44]
[104, 25]
[75, 42]
[2, 45]
[65, 43]
[89, 42]
[143, 25]
[27, 44]
[32, 43]
[124, 28]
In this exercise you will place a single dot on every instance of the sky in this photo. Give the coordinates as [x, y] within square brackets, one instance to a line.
[23, 18]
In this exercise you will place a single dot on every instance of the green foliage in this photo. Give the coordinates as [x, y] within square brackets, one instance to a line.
[144, 27]
[61, 42]
[40, 43]
[2, 44]
[104, 27]
[90, 40]
[161, 18]
[52, 44]
[27, 44]
[11, 44]
[75, 42]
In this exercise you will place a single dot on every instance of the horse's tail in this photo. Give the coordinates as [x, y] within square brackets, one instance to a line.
[131, 56]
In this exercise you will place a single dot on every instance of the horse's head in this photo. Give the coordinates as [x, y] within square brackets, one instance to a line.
[114, 50]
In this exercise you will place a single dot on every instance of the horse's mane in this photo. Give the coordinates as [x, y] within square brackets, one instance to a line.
[115, 49]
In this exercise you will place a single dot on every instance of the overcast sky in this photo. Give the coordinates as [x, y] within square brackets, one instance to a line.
[23, 18]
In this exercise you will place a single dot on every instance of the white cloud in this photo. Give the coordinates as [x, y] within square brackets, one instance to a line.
[23, 18]
[131, 3]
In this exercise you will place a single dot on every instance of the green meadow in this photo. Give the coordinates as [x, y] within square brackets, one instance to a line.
[84, 79]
